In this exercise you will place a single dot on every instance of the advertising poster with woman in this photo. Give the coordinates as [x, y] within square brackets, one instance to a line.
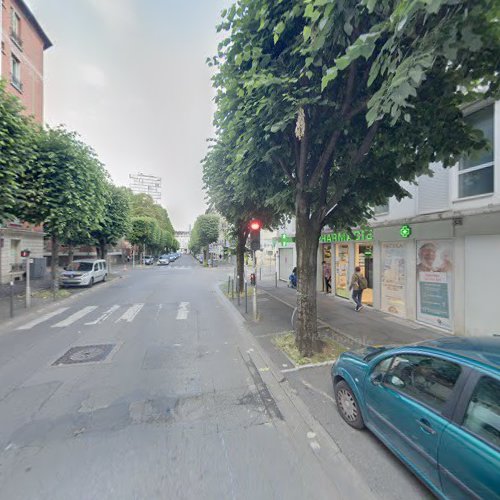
[434, 282]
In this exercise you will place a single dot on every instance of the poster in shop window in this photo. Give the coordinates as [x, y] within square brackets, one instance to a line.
[394, 278]
[434, 282]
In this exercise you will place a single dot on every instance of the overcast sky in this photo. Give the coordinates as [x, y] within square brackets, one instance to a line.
[130, 76]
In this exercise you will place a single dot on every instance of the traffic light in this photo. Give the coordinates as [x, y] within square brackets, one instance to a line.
[255, 227]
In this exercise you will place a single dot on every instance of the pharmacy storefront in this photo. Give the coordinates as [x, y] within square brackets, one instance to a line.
[348, 251]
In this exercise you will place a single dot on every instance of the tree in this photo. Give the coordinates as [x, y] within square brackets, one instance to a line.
[143, 231]
[16, 151]
[64, 188]
[239, 198]
[347, 99]
[116, 219]
[205, 231]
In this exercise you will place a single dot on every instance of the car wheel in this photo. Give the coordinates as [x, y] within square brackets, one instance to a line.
[348, 406]
[91, 282]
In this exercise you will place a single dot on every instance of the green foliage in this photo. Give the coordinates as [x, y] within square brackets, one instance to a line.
[205, 231]
[160, 236]
[336, 102]
[116, 217]
[65, 188]
[16, 151]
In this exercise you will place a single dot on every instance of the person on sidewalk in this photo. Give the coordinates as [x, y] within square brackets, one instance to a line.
[327, 276]
[358, 284]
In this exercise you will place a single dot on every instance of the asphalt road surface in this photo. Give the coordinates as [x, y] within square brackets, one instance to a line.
[150, 387]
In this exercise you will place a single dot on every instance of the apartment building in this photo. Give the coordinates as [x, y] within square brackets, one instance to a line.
[435, 257]
[23, 43]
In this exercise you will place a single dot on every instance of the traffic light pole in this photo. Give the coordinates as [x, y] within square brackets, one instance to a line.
[254, 301]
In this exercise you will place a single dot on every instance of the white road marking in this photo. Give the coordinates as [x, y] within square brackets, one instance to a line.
[319, 391]
[104, 316]
[74, 317]
[130, 313]
[41, 319]
[183, 311]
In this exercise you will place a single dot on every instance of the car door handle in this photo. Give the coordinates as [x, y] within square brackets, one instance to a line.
[426, 426]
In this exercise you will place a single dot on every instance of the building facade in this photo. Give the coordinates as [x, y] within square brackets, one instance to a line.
[23, 43]
[433, 258]
[146, 184]
[183, 238]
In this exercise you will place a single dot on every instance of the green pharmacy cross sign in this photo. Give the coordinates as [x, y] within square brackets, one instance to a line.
[405, 231]
[284, 239]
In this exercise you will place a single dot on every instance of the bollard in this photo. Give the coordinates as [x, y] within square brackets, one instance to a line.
[276, 279]
[238, 290]
[246, 297]
[11, 299]
[254, 302]
[228, 284]
[232, 289]
[260, 273]
[28, 284]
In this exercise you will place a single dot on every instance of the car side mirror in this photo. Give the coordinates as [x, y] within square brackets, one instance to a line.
[65, 268]
[376, 378]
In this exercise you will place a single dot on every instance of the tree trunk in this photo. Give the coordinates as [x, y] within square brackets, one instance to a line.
[54, 259]
[102, 249]
[306, 242]
[71, 252]
[240, 259]
[205, 256]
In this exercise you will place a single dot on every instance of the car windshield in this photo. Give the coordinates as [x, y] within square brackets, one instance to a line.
[80, 266]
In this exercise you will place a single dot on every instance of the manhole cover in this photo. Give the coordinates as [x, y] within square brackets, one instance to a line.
[85, 354]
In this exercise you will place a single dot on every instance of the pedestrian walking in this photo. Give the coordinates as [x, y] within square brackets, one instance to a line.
[327, 276]
[358, 284]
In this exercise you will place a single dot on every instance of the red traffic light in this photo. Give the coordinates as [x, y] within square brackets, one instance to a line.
[255, 225]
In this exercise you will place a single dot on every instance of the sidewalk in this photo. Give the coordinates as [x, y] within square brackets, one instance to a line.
[367, 327]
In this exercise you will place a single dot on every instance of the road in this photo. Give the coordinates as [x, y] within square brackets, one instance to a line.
[151, 387]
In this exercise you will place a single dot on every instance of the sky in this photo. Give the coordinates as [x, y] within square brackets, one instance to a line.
[130, 76]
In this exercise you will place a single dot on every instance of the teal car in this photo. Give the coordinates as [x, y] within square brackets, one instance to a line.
[436, 405]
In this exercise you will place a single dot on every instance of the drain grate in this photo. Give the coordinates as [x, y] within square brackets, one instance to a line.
[85, 354]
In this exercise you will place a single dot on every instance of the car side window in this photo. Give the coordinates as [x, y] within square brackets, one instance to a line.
[429, 380]
[380, 370]
[103, 265]
[96, 266]
[100, 266]
[483, 413]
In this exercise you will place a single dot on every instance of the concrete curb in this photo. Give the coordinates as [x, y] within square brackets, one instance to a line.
[45, 308]
[300, 423]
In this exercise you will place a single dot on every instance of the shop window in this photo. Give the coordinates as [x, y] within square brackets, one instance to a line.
[342, 270]
[476, 175]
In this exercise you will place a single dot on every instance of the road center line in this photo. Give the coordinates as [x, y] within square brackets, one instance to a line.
[74, 317]
[41, 319]
[130, 313]
[104, 316]
[183, 311]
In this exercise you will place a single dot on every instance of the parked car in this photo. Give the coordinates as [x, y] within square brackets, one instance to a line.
[163, 260]
[149, 260]
[436, 405]
[84, 273]
[172, 257]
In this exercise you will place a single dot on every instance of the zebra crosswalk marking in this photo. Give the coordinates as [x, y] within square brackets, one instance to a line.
[41, 319]
[75, 317]
[130, 313]
[104, 316]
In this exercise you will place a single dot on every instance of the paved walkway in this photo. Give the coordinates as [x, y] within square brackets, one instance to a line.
[367, 327]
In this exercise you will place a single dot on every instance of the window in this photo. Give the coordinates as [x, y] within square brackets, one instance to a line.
[475, 174]
[15, 28]
[381, 209]
[429, 380]
[483, 413]
[379, 371]
[16, 72]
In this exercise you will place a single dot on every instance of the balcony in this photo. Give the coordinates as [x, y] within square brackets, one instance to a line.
[16, 39]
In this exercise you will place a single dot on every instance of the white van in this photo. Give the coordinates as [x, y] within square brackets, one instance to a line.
[84, 273]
